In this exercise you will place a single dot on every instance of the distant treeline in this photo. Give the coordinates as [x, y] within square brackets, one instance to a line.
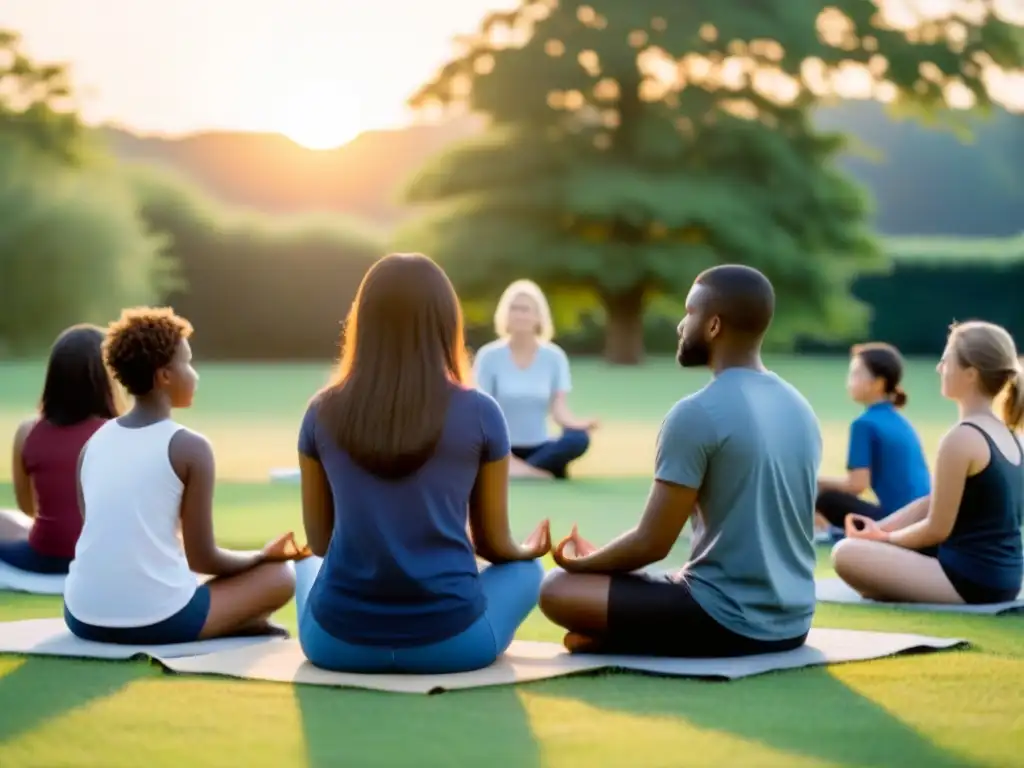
[78, 246]
[255, 286]
[260, 287]
[923, 180]
[80, 241]
[932, 283]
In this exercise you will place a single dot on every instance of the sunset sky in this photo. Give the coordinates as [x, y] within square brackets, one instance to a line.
[319, 71]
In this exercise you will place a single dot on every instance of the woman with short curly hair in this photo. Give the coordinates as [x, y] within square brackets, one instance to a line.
[145, 487]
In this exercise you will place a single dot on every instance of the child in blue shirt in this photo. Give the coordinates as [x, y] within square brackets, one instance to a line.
[885, 452]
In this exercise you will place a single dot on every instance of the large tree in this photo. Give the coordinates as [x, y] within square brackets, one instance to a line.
[631, 144]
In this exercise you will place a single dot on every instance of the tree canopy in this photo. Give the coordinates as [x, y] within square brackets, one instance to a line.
[256, 286]
[73, 247]
[633, 144]
[36, 102]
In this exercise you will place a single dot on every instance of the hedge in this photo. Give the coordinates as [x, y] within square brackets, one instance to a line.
[256, 287]
[267, 287]
[936, 281]
[932, 283]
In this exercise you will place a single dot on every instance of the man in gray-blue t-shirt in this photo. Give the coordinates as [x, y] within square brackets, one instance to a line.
[740, 458]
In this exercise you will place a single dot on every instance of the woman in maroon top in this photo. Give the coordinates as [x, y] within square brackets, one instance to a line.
[78, 397]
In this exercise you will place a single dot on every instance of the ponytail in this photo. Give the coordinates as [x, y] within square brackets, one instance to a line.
[1013, 404]
[899, 396]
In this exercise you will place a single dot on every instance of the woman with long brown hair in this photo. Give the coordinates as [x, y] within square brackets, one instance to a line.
[404, 469]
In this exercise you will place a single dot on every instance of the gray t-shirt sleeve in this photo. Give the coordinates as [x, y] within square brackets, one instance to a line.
[563, 379]
[483, 372]
[686, 442]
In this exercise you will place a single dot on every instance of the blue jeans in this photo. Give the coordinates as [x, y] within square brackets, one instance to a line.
[555, 456]
[512, 591]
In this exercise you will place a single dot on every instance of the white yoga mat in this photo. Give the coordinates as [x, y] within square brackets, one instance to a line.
[50, 637]
[16, 580]
[526, 661]
[284, 475]
[838, 591]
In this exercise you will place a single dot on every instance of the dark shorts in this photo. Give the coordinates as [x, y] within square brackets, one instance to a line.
[650, 614]
[20, 555]
[971, 592]
[182, 627]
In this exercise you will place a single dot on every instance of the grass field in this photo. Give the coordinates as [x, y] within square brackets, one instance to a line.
[950, 709]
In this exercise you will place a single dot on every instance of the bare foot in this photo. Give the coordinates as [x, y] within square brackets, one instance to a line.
[575, 642]
[264, 628]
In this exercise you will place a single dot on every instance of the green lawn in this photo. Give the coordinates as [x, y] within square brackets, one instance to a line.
[960, 708]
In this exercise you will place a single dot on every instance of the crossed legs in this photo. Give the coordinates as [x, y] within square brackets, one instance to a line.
[551, 459]
[644, 614]
[243, 604]
[579, 604]
[885, 572]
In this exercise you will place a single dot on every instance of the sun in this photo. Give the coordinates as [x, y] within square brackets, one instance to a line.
[319, 115]
[321, 133]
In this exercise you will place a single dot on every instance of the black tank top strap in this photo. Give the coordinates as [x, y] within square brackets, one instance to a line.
[994, 449]
[972, 425]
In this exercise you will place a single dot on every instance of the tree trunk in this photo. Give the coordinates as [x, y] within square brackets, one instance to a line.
[624, 332]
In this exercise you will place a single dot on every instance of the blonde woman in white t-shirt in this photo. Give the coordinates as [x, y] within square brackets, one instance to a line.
[146, 493]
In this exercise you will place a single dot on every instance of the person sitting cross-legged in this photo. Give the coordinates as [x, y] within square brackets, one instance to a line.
[885, 452]
[404, 470]
[961, 543]
[145, 488]
[740, 457]
[528, 375]
[78, 398]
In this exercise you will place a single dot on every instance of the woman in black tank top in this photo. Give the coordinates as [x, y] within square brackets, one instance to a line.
[962, 543]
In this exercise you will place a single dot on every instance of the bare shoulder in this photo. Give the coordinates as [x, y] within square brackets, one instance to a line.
[23, 430]
[26, 426]
[189, 450]
[965, 441]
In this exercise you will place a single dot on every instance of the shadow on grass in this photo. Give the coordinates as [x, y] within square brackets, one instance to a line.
[41, 689]
[369, 728]
[808, 713]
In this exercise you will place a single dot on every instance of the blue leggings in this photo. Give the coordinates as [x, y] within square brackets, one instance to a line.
[555, 456]
[511, 589]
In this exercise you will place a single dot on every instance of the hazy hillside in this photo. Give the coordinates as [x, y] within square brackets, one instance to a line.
[272, 173]
[924, 181]
[927, 181]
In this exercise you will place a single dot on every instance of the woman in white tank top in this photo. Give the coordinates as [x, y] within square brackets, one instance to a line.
[146, 493]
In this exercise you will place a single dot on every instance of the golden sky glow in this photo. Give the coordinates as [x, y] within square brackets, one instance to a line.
[319, 71]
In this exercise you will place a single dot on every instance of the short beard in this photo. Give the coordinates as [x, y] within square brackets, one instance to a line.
[694, 354]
